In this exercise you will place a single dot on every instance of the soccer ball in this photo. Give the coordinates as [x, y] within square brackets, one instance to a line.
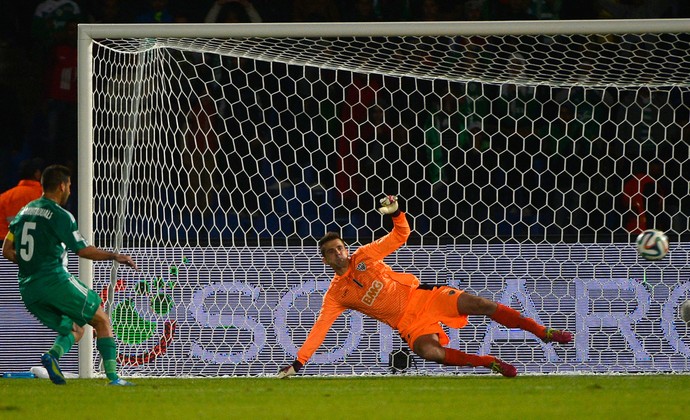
[685, 311]
[652, 244]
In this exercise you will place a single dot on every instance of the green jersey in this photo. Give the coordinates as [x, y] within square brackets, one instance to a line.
[43, 232]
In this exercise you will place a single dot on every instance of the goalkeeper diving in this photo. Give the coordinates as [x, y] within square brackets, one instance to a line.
[363, 282]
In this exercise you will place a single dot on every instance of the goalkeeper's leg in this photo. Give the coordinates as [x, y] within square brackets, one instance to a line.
[475, 305]
[428, 347]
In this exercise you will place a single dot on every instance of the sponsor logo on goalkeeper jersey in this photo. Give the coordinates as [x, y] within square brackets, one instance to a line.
[372, 293]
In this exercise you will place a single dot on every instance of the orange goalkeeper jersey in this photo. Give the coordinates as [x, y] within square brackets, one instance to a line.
[12, 200]
[369, 286]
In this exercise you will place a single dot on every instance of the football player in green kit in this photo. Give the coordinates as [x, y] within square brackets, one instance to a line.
[39, 238]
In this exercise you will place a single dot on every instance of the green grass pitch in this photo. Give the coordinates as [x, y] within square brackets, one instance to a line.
[392, 397]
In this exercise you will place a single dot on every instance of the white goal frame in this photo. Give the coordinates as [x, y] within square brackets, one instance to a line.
[89, 32]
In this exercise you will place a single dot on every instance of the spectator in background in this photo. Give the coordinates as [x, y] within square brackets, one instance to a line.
[61, 100]
[50, 22]
[232, 11]
[643, 198]
[28, 189]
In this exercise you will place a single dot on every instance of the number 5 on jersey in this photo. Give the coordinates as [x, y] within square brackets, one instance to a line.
[26, 250]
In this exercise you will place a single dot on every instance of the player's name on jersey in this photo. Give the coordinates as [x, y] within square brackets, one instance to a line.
[36, 211]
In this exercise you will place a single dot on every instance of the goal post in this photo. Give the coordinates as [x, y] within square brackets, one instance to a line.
[217, 155]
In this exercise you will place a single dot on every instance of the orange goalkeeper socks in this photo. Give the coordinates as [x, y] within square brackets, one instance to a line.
[513, 319]
[458, 358]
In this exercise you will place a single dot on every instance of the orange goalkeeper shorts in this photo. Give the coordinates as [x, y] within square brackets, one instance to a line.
[427, 310]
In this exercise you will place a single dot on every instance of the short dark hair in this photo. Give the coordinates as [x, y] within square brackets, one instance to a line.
[28, 168]
[329, 236]
[53, 176]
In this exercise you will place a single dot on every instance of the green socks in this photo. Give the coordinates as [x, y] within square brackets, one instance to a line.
[106, 347]
[63, 343]
[108, 350]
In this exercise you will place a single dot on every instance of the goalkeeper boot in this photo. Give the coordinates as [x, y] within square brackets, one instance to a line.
[54, 373]
[559, 336]
[505, 369]
[120, 382]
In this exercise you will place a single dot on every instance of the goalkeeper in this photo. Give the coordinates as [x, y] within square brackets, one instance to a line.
[37, 242]
[365, 283]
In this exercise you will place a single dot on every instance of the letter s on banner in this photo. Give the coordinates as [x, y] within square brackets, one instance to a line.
[231, 319]
[290, 300]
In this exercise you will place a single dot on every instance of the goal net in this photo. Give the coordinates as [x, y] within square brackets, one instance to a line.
[527, 156]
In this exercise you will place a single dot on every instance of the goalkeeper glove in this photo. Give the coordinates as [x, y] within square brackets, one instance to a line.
[290, 370]
[389, 205]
